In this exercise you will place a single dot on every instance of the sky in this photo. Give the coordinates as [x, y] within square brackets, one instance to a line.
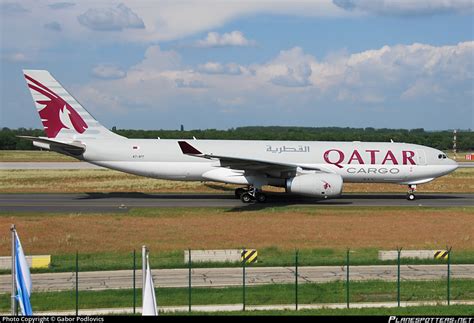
[143, 64]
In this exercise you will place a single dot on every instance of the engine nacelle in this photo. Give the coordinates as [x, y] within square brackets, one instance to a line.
[316, 184]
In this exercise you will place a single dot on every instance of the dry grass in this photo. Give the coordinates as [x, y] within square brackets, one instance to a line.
[33, 156]
[285, 228]
[54, 181]
[177, 229]
[460, 156]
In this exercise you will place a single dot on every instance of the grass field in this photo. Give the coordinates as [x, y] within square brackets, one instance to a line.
[460, 156]
[169, 229]
[33, 156]
[334, 292]
[89, 180]
[322, 234]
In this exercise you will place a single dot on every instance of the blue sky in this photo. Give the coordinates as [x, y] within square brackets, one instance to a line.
[221, 64]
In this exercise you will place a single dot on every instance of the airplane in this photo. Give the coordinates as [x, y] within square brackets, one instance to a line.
[311, 168]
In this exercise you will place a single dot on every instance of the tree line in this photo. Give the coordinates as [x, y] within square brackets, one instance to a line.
[442, 140]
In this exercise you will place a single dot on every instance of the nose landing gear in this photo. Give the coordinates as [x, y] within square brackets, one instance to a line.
[411, 192]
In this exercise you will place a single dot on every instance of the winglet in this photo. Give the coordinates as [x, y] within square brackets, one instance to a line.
[187, 149]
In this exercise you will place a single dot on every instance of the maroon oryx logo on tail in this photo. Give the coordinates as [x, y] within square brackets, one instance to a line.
[57, 113]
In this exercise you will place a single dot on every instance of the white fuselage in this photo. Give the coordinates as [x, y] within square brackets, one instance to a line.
[371, 162]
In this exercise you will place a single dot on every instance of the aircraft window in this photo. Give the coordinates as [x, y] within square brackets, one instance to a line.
[444, 156]
[440, 156]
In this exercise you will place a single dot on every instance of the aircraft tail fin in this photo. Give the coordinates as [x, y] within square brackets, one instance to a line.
[62, 115]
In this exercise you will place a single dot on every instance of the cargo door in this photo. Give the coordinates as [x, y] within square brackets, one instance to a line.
[420, 157]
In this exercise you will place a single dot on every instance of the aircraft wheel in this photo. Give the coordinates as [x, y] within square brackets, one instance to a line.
[239, 191]
[261, 197]
[411, 197]
[246, 197]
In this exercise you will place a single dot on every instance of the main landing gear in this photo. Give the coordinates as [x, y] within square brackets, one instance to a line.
[250, 194]
[411, 192]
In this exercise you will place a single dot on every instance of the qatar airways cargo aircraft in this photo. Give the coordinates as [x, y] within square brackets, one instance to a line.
[311, 168]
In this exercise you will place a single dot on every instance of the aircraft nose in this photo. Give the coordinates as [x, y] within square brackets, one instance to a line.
[451, 165]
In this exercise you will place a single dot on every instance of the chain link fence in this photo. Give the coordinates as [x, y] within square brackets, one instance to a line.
[241, 286]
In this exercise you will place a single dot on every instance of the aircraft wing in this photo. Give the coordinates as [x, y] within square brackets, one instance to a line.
[244, 163]
[69, 147]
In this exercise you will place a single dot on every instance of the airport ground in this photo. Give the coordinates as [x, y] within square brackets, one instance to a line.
[322, 234]
[274, 294]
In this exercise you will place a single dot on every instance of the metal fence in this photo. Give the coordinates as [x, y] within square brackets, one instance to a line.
[293, 284]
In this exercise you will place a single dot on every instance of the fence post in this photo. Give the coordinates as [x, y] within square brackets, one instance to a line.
[296, 279]
[243, 284]
[144, 252]
[398, 276]
[77, 283]
[14, 303]
[189, 282]
[134, 282]
[347, 278]
[449, 274]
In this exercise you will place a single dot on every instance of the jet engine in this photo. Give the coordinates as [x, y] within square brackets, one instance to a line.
[315, 184]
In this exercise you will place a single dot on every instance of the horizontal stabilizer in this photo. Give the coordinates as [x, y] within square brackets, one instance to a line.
[73, 148]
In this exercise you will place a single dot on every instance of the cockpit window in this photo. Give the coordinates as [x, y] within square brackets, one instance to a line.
[442, 156]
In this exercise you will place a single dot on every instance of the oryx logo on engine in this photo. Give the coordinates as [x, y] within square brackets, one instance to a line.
[326, 185]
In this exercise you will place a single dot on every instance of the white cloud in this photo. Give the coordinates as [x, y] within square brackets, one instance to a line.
[116, 19]
[157, 60]
[421, 88]
[407, 7]
[194, 84]
[61, 5]
[148, 21]
[12, 8]
[171, 20]
[141, 21]
[234, 38]
[108, 71]
[54, 26]
[390, 71]
[291, 68]
[15, 57]
[218, 68]
[295, 79]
